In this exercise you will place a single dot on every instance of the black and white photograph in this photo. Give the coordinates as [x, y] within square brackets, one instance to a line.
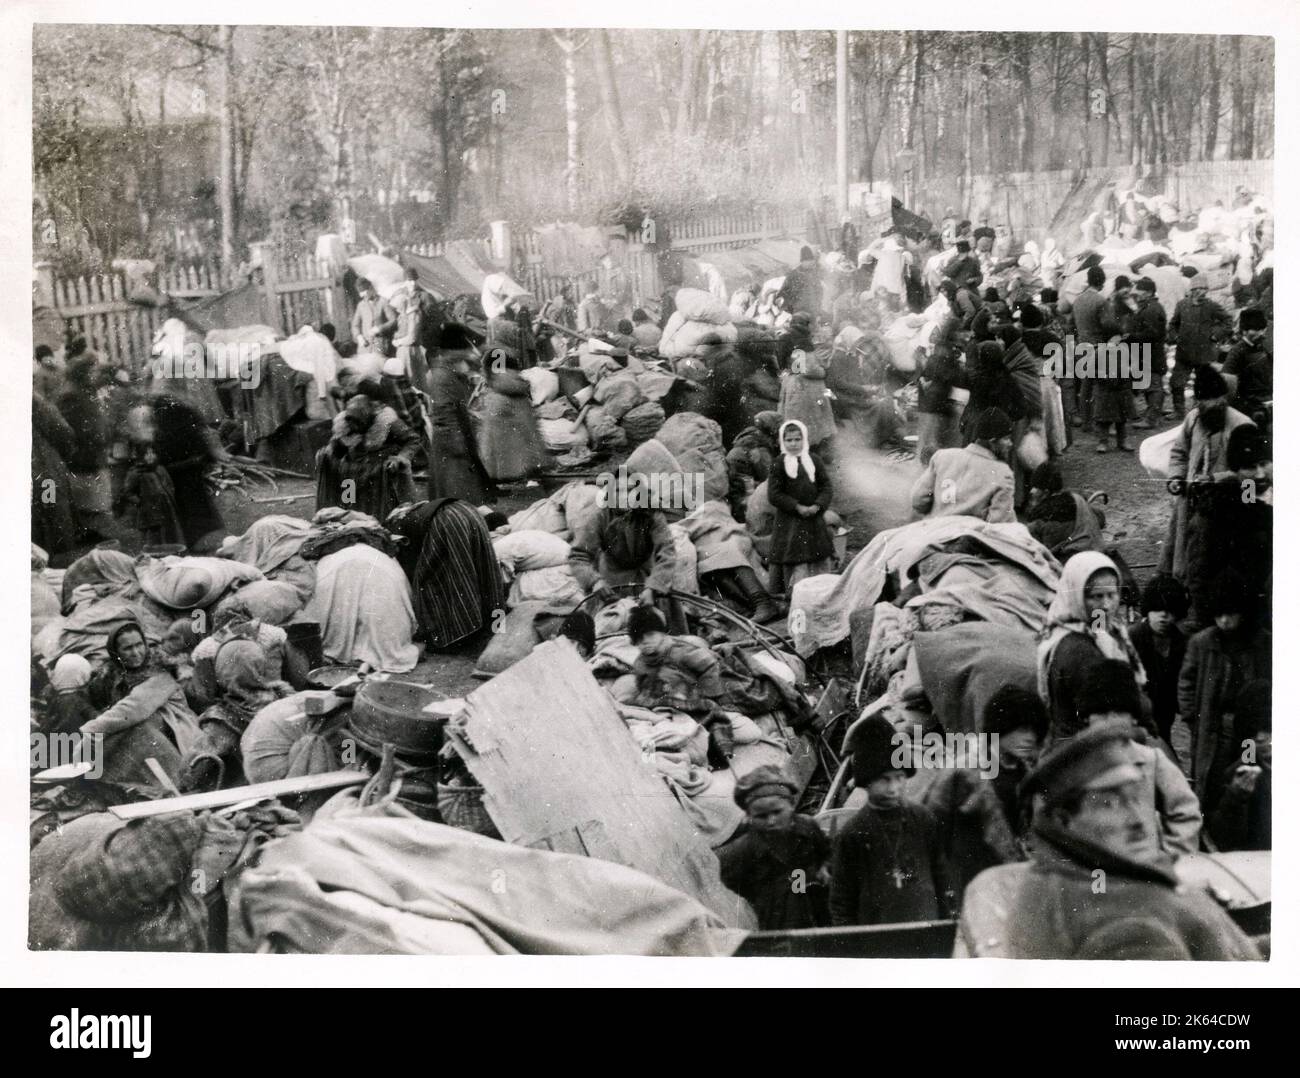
[733, 492]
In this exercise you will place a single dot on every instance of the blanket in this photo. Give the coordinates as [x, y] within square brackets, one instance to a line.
[825, 602]
[961, 667]
[380, 881]
[363, 605]
[191, 583]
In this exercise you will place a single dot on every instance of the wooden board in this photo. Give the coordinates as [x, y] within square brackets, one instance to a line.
[560, 771]
[330, 780]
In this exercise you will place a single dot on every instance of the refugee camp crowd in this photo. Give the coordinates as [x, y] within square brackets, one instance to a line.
[1141, 734]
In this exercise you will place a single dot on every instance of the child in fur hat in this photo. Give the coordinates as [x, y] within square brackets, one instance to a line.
[777, 855]
[888, 865]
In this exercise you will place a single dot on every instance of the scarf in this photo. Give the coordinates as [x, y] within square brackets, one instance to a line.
[1069, 614]
[131, 678]
[793, 460]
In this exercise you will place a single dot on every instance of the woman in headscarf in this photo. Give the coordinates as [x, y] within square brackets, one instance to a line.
[509, 442]
[247, 685]
[799, 488]
[455, 579]
[87, 462]
[142, 712]
[367, 464]
[804, 399]
[455, 470]
[233, 621]
[1083, 630]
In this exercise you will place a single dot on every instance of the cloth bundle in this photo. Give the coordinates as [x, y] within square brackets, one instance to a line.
[642, 423]
[618, 394]
[191, 582]
[520, 551]
[283, 741]
[543, 385]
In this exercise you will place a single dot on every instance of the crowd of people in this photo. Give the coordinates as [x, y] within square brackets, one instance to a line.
[1146, 739]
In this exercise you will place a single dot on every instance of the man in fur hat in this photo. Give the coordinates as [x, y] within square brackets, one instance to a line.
[889, 865]
[1093, 890]
[1197, 326]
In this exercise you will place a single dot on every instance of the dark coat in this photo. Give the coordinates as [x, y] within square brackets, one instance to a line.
[1141, 913]
[1073, 659]
[1214, 671]
[1225, 528]
[83, 412]
[1197, 329]
[1162, 672]
[796, 539]
[1148, 325]
[802, 290]
[509, 443]
[1243, 821]
[979, 821]
[749, 462]
[1253, 366]
[760, 868]
[53, 528]
[455, 470]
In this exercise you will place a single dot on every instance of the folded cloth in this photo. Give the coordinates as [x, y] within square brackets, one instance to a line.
[380, 881]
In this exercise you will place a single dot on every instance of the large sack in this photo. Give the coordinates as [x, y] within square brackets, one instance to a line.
[1154, 452]
[643, 422]
[386, 275]
[685, 573]
[618, 394]
[284, 742]
[697, 305]
[688, 338]
[696, 444]
[674, 324]
[192, 582]
[543, 385]
[558, 434]
[520, 551]
[272, 601]
[554, 586]
[604, 429]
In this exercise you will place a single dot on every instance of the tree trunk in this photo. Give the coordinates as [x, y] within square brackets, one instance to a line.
[568, 44]
[914, 104]
[1054, 122]
[1212, 104]
[986, 73]
[1026, 100]
[967, 141]
[226, 148]
[610, 105]
[1101, 46]
[1085, 159]
[1134, 116]
[1238, 100]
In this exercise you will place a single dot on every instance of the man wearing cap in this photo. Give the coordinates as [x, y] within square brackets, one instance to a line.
[975, 481]
[802, 290]
[1197, 326]
[1250, 360]
[1094, 890]
[1147, 327]
[1199, 451]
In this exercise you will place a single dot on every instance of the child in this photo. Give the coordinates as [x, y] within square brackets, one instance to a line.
[1110, 694]
[69, 701]
[777, 854]
[679, 676]
[1161, 647]
[1244, 818]
[150, 499]
[888, 865]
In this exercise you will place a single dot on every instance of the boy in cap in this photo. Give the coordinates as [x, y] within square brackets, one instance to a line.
[1092, 890]
[1146, 329]
[975, 481]
[1250, 361]
[983, 821]
[1110, 694]
[1161, 645]
[777, 854]
[888, 865]
[678, 675]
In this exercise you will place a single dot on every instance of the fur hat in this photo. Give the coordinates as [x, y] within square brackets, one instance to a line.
[1109, 686]
[1247, 447]
[1253, 318]
[1145, 284]
[1031, 316]
[1096, 276]
[1165, 593]
[874, 744]
[1013, 708]
[992, 424]
[1047, 476]
[765, 781]
[806, 253]
[1208, 384]
[645, 619]
[1049, 295]
[580, 627]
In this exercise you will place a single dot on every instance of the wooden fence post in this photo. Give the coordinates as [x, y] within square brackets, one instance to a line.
[270, 300]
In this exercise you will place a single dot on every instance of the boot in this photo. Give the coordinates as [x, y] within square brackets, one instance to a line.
[722, 743]
[765, 610]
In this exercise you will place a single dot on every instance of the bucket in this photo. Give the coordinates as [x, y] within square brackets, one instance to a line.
[392, 712]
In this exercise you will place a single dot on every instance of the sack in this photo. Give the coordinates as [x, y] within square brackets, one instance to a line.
[283, 741]
[1154, 452]
[543, 385]
[618, 394]
[604, 430]
[696, 305]
[643, 422]
[521, 551]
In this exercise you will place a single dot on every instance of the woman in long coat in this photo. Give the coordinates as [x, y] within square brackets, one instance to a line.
[799, 488]
[187, 447]
[509, 442]
[804, 399]
[455, 470]
[367, 464]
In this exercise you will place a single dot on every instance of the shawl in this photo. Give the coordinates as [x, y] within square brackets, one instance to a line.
[793, 460]
[1068, 614]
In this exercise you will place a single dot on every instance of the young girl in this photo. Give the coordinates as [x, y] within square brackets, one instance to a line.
[1082, 631]
[799, 489]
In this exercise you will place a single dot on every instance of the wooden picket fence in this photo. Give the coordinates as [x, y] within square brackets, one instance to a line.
[296, 292]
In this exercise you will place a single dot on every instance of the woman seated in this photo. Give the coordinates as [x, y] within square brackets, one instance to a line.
[367, 464]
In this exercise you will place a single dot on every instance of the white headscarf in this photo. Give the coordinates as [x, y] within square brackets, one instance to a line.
[793, 460]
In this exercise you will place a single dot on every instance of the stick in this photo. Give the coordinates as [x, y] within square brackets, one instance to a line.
[331, 780]
[161, 775]
[277, 501]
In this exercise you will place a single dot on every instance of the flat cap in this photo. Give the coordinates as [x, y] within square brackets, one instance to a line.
[1098, 758]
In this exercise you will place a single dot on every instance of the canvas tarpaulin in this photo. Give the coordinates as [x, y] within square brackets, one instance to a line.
[460, 270]
[380, 881]
[962, 667]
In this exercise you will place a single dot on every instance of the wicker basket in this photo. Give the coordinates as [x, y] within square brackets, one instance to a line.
[462, 806]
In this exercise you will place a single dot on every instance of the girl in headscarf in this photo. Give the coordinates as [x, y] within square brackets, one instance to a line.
[69, 706]
[799, 489]
[247, 685]
[1082, 631]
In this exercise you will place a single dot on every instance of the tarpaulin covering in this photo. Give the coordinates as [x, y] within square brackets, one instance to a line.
[964, 665]
[380, 881]
[753, 265]
[460, 270]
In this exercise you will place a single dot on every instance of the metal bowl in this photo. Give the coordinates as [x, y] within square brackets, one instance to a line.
[328, 676]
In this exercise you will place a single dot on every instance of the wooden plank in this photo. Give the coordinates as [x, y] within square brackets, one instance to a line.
[547, 744]
[330, 780]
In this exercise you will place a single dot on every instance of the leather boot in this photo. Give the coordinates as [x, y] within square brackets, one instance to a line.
[765, 610]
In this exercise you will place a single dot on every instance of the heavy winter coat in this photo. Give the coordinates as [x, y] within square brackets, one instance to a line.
[797, 539]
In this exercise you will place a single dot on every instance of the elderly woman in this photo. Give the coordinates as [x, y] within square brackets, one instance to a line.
[1083, 630]
[143, 714]
[367, 464]
[247, 684]
[509, 442]
[799, 489]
